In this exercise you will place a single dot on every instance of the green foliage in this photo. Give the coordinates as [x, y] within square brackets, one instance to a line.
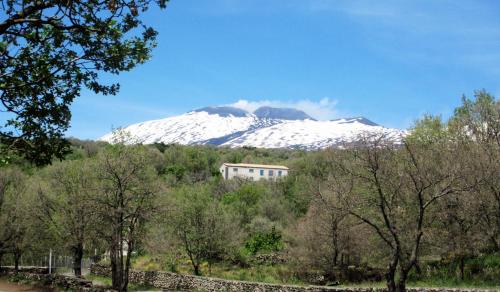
[481, 271]
[478, 118]
[244, 201]
[49, 51]
[190, 219]
[264, 242]
[205, 229]
[427, 130]
[190, 163]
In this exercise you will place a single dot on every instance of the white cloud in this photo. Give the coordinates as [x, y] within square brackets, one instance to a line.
[324, 109]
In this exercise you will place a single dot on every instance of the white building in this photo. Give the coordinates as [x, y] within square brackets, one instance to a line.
[252, 171]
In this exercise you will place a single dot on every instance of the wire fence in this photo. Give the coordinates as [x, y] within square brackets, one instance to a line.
[57, 263]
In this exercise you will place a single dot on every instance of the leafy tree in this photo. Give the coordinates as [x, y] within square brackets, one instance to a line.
[244, 201]
[191, 163]
[49, 51]
[69, 210]
[205, 229]
[457, 231]
[478, 118]
[476, 125]
[125, 201]
[16, 219]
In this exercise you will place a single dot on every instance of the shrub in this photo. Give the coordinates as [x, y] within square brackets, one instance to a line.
[265, 242]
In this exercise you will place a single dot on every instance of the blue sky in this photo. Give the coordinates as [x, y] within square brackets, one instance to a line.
[389, 60]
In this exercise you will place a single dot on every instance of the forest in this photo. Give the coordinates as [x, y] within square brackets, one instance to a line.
[422, 212]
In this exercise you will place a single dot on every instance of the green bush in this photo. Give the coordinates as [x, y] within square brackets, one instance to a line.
[264, 242]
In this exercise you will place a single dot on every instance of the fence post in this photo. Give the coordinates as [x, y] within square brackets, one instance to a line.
[50, 261]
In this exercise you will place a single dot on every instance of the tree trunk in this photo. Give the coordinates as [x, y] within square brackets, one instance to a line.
[462, 268]
[130, 250]
[113, 255]
[390, 280]
[335, 253]
[17, 257]
[335, 256]
[494, 243]
[120, 266]
[196, 269]
[418, 268]
[77, 260]
[390, 276]
[401, 287]
[116, 251]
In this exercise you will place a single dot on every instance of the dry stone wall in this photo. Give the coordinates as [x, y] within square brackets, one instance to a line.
[172, 281]
[42, 276]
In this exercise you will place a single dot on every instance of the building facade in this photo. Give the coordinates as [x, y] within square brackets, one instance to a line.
[252, 171]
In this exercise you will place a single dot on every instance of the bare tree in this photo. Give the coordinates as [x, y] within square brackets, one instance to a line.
[325, 239]
[392, 189]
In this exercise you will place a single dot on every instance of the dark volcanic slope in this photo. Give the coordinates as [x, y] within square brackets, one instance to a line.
[267, 112]
[224, 111]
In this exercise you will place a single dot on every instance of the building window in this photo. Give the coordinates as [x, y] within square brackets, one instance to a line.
[235, 169]
[250, 170]
[262, 172]
[271, 173]
[279, 172]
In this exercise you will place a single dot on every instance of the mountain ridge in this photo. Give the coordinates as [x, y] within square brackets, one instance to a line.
[266, 127]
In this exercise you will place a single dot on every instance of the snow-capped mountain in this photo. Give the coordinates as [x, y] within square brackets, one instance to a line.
[266, 127]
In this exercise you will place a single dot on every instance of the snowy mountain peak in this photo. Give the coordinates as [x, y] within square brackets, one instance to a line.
[267, 127]
[267, 112]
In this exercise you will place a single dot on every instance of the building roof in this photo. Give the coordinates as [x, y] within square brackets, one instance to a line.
[248, 165]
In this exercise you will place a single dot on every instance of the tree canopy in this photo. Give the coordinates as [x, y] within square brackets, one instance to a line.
[49, 52]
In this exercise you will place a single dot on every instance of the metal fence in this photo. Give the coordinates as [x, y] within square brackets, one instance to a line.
[57, 263]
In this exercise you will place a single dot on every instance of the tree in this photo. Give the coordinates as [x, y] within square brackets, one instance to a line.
[15, 214]
[327, 239]
[49, 51]
[457, 228]
[206, 231]
[391, 188]
[190, 163]
[68, 208]
[245, 201]
[125, 202]
[476, 125]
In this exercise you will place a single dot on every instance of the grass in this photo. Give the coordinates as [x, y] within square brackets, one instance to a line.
[30, 285]
[106, 281]
[270, 274]
[432, 283]
[482, 273]
[452, 283]
[274, 274]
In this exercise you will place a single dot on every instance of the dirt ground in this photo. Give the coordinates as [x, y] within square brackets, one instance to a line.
[6, 286]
